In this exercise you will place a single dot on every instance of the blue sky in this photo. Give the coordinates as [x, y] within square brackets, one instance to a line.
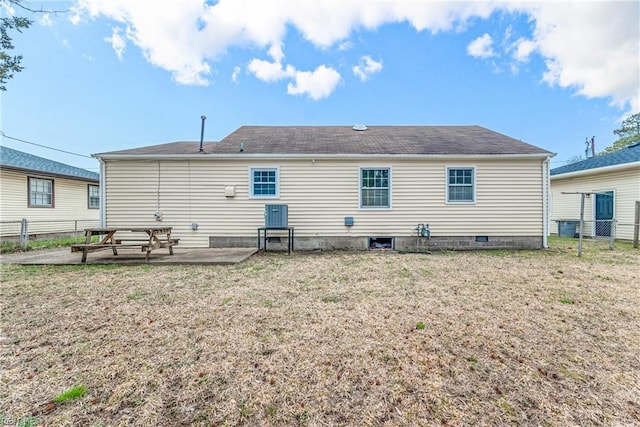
[118, 74]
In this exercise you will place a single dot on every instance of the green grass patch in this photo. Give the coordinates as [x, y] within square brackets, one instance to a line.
[73, 393]
[136, 295]
[572, 375]
[506, 407]
[268, 303]
[271, 410]
[7, 246]
[28, 422]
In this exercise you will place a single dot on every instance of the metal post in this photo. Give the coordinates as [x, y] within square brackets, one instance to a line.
[612, 236]
[24, 234]
[636, 225]
[581, 224]
[203, 118]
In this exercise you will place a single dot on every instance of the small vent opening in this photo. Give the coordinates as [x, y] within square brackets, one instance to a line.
[381, 242]
[360, 127]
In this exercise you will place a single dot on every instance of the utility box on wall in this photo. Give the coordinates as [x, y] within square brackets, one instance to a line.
[276, 216]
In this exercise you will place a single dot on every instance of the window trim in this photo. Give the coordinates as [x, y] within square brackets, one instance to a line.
[89, 196]
[474, 185]
[53, 193]
[375, 208]
[277, 183]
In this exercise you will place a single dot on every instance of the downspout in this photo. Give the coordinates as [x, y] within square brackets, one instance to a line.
[546, 184]
[103, 193]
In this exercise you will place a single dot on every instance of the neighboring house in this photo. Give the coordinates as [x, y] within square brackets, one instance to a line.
[52, 196]
[344, 187]
[614, 181]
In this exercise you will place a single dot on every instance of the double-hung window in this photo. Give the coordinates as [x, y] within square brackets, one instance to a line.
[94, 196]
[40, 192]
[264, 182]
[461, 185]
[375, 187]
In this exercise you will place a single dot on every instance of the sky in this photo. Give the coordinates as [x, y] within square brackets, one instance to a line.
[106, 75]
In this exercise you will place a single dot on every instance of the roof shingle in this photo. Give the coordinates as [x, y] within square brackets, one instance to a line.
[629, 154]
[336, 140]
[15, 159]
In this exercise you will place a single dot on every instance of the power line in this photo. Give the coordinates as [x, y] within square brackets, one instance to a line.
[44, 146]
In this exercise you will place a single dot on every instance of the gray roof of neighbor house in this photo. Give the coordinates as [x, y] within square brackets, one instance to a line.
[345, 140]
[18, 160]
[629, 154]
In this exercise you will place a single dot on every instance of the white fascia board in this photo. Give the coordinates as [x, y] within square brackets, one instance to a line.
[246, 156]
[596, 171]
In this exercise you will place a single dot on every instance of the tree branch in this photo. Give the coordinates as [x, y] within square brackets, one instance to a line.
[42, 10]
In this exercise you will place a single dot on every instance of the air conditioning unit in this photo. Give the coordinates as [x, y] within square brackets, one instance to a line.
[276, 216]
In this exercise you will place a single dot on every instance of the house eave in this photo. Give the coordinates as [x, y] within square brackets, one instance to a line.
[261, 156]
[596, 171]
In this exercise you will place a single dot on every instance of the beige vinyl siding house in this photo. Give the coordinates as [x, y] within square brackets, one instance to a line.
[613, 181]
[53, 197]
[211, 198]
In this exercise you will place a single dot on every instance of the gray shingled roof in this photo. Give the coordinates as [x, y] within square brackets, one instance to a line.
[336, 140]
[14, 159]
[626, 155]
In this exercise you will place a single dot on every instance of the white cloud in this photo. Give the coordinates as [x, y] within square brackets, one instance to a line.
[366, 67]
[269, 71]
[235, 74]
[317, 84]
[523, 49]
[117, 41]
[9, 10]
[482, 47]
[45, 20]
[275, 51]
[591, 47]
[345, 45]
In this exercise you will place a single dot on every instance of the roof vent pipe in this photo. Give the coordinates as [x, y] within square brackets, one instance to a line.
[202, 133]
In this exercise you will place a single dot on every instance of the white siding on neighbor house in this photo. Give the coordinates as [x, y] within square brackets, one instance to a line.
[319, 195]
[626, 187]
[70, 205]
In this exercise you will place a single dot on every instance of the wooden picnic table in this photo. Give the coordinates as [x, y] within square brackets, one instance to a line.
[112, 237]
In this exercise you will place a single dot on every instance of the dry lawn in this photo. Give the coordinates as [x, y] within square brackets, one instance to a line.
[492, 338]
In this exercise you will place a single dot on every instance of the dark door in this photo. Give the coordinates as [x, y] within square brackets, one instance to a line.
[604, 213]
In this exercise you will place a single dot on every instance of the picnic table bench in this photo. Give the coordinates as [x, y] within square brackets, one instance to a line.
[156, 237]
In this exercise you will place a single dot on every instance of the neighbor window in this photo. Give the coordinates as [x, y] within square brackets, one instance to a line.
[40, 192]
[375, 188]
[461, 185]
[94, 196]
[264, 183]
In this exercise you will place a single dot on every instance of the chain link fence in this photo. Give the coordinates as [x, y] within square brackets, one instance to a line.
[594, 234]
[24, 230]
